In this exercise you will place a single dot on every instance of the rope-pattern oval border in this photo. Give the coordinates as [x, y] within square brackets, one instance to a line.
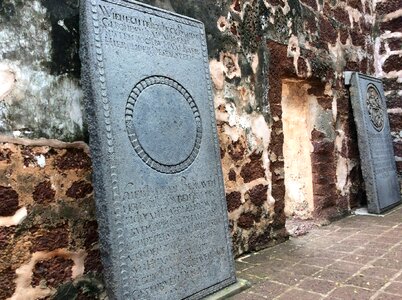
[132, 134]
[378, 127]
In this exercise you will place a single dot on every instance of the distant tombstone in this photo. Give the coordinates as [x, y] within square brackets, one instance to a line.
[158, 181]
[374, 139]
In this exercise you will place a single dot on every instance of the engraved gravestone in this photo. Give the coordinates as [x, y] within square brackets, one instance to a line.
[158, 181]
[375, 144]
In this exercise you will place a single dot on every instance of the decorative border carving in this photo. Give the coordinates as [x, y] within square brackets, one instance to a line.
[123, 280]
[130, 106]
[375, 107]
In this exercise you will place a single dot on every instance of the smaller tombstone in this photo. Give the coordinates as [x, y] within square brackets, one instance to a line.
[375, 144]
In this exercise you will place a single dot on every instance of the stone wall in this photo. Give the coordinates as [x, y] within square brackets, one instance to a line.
[262, 52]
[388, 65]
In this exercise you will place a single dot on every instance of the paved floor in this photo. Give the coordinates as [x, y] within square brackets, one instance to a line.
[359, 257]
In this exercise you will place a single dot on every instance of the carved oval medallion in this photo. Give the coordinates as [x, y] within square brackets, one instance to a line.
[163, 124]
[375, 107]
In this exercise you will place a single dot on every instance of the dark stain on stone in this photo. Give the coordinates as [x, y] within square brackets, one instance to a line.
[54, 271]
[79, 189]
[327, 30]
[6, 236]
[259, 241]
[344, 34]
[74, 159]
[302, 67]
[51, 240]
[5, 155]
[392, 63]
[233, 200]
[394, 25]
[254, 169]
[232, 175]
[398, 148]
[91, 234]
[8, 201]
[236, 5]
[93, 262]
[223, 152]
[44, 193]
[28, 156]
[311, 3]
[341, 15]
[356, 4]
[7, 11]
[258, 194]
[395, 121]
[7, 283]
[386, 7]
[358, 39]
[246, 220]
[395, 44]
[325, 102]
[65, 39]
[236, 150]
[317, 135]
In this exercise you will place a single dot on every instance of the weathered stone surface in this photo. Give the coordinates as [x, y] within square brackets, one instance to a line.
[158, 180]
[375, 146]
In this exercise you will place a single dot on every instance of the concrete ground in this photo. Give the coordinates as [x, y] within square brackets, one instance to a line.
[359, 257]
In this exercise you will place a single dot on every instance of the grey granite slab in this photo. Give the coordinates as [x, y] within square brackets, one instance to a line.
[157, 174]
[374, 139]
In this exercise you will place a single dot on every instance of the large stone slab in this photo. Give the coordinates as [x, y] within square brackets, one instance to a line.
[375, 144]
[157, 174]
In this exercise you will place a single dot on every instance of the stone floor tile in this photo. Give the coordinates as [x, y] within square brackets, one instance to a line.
[351, 293]
[354, 241]
[371, 283]
[361, 259]
[346, 267]
[344, 248]
[394, 288]
[399, 278]
[378, 272]
[333, 275]
[317, 261]
[374, 252]
[317, 285]
[319, 265]
[387, 263]
[242, 266]
[270, 267]
[386, 296]
[393, 240]
[269, 289]
[285, 277]
[303, 269]
[297, 294]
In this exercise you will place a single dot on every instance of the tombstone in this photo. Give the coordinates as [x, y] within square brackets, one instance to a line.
[374, 139]
[157, 175]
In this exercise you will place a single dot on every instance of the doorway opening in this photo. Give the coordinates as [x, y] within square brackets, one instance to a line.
[299, 111]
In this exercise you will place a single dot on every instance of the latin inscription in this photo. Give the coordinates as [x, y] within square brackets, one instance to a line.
[381, 156]
[157, 216]
[147, 35]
